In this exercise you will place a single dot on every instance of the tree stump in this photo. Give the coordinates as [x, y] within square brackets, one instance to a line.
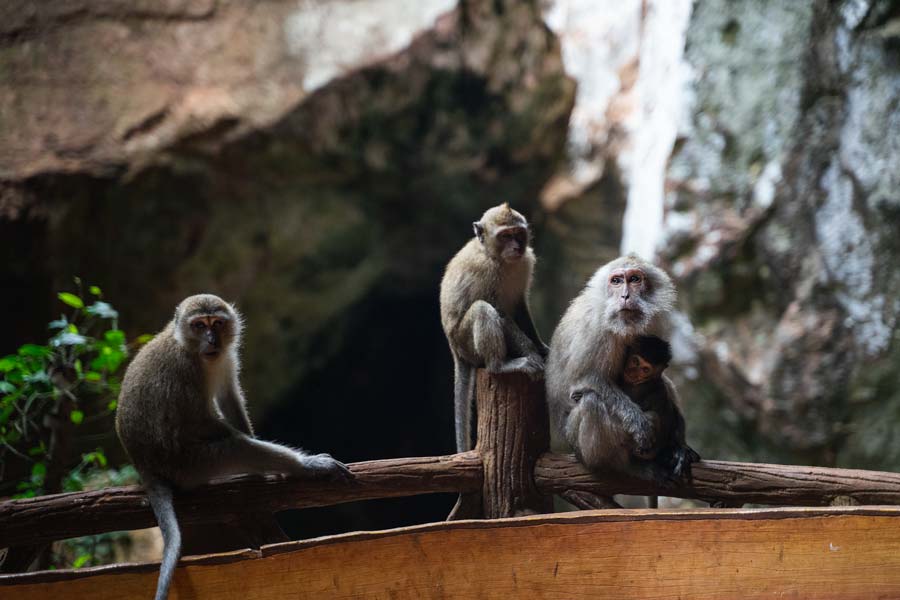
[513, 431]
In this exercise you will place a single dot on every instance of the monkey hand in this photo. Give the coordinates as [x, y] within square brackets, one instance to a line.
[682, 459]
[324, 466]
[534, 367]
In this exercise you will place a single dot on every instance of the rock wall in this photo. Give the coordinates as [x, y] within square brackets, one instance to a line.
[782, 230]
[318, 162]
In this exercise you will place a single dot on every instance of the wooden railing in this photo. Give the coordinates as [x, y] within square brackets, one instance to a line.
[510, 473]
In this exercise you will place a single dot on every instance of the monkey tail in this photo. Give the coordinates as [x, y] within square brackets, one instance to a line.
[463, 400]
[160, 496]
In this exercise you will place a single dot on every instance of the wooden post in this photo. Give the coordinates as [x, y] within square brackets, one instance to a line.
[513, 431]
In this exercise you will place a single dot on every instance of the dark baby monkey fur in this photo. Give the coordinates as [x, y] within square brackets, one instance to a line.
[626, 298]
[182, 420]
[644, 382]
[485, 312]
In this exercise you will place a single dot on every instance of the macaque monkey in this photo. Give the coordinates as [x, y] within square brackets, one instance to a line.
[484, 309]
[182, 419]
[643, 381]
[626, 298]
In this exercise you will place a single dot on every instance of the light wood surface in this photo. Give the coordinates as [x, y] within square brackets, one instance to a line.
[714, 554]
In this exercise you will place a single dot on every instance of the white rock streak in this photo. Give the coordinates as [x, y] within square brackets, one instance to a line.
[338, 36]
[653, 125]
[605, 45]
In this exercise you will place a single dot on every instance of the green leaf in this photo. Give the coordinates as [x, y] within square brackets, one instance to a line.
[38, 377]
[77, 417]
[72, 328]
[68, 339]
[71, 299]
[143, 339]
[58, 324]
[34, 350]
[102, 310]
[113, 404]
[38, 472]
[100, 457]
[8, 363]
[95, 290]
[37, 450]
[80, 561]
[115, 336]
[6, 413]
[6, 387]
[93, 376]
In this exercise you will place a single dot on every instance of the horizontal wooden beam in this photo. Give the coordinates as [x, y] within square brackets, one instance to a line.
[732, 482]
[62, 516]
[705, 554]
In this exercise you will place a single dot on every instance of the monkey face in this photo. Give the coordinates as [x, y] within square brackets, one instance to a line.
[511, 243]
[626, 288]
[638, 370]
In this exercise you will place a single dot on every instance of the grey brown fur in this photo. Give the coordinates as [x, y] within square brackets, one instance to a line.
[485, 312]
[604, 427]
[182, 419]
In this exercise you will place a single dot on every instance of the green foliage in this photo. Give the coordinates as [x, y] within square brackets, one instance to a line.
[51, 391]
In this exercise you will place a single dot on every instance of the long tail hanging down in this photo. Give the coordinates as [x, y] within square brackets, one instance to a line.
[160, 496]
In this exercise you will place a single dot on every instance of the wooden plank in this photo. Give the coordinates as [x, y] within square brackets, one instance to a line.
[845, 553]
[62, 516]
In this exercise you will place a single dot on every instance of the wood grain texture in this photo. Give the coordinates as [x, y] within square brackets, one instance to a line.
[62, 516]
[731, 483]
[845, 553]
[513, 432]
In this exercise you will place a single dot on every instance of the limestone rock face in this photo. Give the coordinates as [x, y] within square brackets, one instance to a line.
[781, 229]
[296, 157]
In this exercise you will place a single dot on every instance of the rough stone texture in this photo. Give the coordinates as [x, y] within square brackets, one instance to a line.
[782, 231]
[298, 158]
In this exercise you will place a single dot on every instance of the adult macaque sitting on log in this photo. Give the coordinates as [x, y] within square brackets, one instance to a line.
[625, 298]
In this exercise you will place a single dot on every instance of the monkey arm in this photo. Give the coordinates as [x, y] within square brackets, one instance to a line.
[522, 319]
[637, 425]
[231, 405]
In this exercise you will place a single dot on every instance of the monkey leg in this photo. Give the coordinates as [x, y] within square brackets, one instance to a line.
[484, 326]
[517, 343]
[239, 454]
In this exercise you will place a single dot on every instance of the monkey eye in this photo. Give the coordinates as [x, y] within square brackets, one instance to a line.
[616, 280]
[645, 370]
[198, 325]
[218, 323]
[634, 279]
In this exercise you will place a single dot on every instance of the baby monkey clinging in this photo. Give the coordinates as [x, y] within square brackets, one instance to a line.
[642, 380]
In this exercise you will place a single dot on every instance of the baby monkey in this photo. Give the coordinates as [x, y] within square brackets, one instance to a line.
[643, 381]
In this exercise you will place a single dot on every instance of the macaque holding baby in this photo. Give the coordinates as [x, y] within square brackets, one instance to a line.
[643, 381]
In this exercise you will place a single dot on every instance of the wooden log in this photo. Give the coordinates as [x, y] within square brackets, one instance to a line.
[61, 516]
[513, 431]
[732, 483]
[836, 553]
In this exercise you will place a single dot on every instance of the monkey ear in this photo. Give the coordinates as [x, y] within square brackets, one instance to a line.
[479, 230]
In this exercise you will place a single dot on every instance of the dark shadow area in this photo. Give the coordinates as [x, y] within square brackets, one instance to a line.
[387, 394]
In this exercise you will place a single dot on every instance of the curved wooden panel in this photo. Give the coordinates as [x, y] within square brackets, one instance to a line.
[842, 553]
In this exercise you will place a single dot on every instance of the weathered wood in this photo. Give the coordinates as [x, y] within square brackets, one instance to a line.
[62, 516]
[845, 553]
[512, 433]
[731, 483]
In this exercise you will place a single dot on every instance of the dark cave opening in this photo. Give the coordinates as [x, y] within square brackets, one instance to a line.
[387, 394]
